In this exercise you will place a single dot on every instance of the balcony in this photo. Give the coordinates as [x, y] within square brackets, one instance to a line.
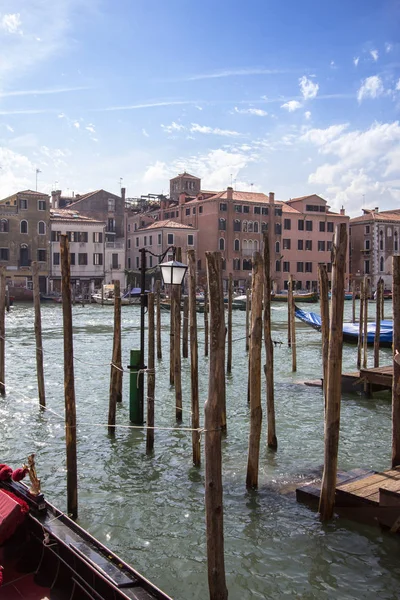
[116, 245]
[26, 264]
[115, 267]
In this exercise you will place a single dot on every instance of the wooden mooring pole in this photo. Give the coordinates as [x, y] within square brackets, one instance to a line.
[213, 434]
[248, 308]
[353, 300]
[2, 331]
[158, 320]
[365, 332]
[69, 383]
[324, 308]
[112, 407]
[151, 376]
[272, 441]
[206, 326]
[185, 328]
[292, 328]
[334, 390]
[230, 298]
[377, 323]
[255, 372]
[360, 326]
[194, 361]
[177, 353]
[38, 334]
[172, 298]
[396, 364]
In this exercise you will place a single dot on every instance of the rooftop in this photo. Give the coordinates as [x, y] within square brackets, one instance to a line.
[166, 224]
[70, 215]
[374, 215]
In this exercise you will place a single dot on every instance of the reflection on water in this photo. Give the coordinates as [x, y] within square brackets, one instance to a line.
[150, 510]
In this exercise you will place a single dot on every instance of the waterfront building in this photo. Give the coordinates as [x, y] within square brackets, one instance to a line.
[374, 239]
[24, 237]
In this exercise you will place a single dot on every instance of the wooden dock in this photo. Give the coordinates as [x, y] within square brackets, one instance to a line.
[364, 380]
[362, 495]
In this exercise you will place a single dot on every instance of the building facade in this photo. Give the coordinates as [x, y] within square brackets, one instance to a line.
[374, 240]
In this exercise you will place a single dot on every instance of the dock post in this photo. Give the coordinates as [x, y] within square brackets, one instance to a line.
[135, 407]
[112, 407]
[334, 391]
[360, 326]
[206, 326]
[230, 298]
[38, 334]
[158, 320]
[2, 330]
[172, 299]
[353, 300]
[185, 328]
[7, 299]
[324, 307]
[272, 441]
[365, 336]
[69, 382]
[396, 364]
[292, 324]
[194, 365]
[248, 308]
[383, 302]
[151, 376]
[377, 323]
[177, 352]
[213, 435]
[255, 372]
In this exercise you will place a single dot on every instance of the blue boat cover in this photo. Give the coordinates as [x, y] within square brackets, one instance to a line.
[350, 330]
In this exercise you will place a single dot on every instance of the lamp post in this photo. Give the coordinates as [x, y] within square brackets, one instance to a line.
[173, 273]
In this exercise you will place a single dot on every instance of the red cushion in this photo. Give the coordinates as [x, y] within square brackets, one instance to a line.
[11, 516]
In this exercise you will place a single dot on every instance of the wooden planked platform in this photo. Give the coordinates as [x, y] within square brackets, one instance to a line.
[364, 380]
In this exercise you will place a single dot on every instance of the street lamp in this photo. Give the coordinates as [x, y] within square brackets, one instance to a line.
[173, 273]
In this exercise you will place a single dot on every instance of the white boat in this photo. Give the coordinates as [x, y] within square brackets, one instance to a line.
[131, 297]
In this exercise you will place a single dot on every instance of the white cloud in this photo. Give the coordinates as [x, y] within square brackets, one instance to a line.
[333, 64]
[77, 124]
[307, 115]
[17, 172]
[196, 128]
[9, 128]
[258, 112]
[157, 174]
[371, 87]
[398, 85]
[11, 23]
[388, 47]
[173, 127]
[374, 54]
[90, 128]
[320, 137]
[199, 107]
[356, 60]
[144, 132]
[308, 88]
[292, 105]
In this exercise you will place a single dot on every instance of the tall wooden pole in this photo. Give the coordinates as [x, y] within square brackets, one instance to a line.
[38, 334]
[353, 300]
[2, 330]
[177, 353]
[272, 441]
[194, 364]
[112, 406]
[69, 383]
[377, 323]
[248, 308]
[365, 332]
[382, 302]
[291, 311]
[172, 297]
[333, 395]
[158, 320]
[206, 326]
[324, 308]
[360, 326]
[151, 376]
[185, 328]
[396, 364]
[255, 372]
[213, 416]
[230, 298]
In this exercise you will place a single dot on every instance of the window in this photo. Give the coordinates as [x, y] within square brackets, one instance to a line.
[300, 225]
[308, 267]
[308, 244]
[135, 226]
[4, 228]
[23, 203]
[200, 209]
[199, 264]
[42, 228]
[98, 236]
[187, 211]
[4, 254]
[145, 241]
[277, 247]
[257, 210]
[223, 264]
[236, 245]
[82, 259]
[41, 204]
[367, 229]
[247, 264]
[129, 262]
[24, 227]
[222, 224]
[308, 225]
[223, 207]
[286, 244]
[244, 226]
[396, 242]
[221, 244]
[190, 239]
[286, 266]
[237, 225]
[329, 267]
[381, 240]
[83, 236]
[238, 208]
[72, 256]
[367, 245]
[236, 264]
[277, 266]
[329, 246]
[129, 226]
[97, 258]
[264, 210]
[255, 226]
[299, 244]
[322, 225]
[300, 267]
[55, 236]
[111, 204]
[137, 262]
[264, 227]
[250, 226]
[366, 267]
[137, 242]
[73, 236]
[56, 258]
[287, 224]
[321, 246]
[41, 255]
[150, 261]
[170, 239]
[381, 264]
[246, 209]
[278, 212]
[159, 239]
[193, 211]
[150, 240]
[389, 232]
[329, 227]
[111, 225]
[278, 228]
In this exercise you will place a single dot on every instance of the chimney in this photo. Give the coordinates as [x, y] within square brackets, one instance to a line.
[229, 193]
[376, 209]
[123, 190]
[55, 197]
[271, 197]
[342, 211]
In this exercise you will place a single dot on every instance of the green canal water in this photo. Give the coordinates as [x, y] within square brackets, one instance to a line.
[151, 510]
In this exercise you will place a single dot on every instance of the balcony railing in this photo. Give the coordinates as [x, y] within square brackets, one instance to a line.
[115, 267]
[26, 264]
[115, 245]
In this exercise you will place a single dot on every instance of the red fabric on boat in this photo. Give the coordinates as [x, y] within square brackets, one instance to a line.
[19, 474]
[12, 514]
[5, 472]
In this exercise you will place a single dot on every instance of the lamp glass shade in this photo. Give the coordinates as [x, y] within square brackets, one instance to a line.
[173, 272]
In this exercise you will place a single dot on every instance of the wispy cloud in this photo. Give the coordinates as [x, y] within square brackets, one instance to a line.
[371, 87]
[148, 105]
[258, 112]
[11, 23]
[292, 105]
[43, 92]
[144, 132]
[308, 88]
[356, 60]
[374, 54]
[28, 111]
[196, 128]
[173, 128]
[388, 47]
[234, 73]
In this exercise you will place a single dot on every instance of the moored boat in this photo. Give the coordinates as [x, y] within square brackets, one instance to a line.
[297, 296]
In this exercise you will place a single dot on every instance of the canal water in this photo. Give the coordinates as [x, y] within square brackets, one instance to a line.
[151, 510]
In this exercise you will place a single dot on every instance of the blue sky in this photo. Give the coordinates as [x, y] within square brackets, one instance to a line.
[285, 96]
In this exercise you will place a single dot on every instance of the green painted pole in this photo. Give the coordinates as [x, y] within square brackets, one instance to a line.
[135, 405]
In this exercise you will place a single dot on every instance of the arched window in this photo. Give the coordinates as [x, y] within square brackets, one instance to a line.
[42, 228]
[277, 265]
[255, 225]
[389, 232]
[4, 226]
[221, 244]
[244, 226]
[236, 245]
[223, 264]
[381, 240]
[244, 245]
[264, 226]
[255, 245]
[396, 242]
[247, 264]
[381, 264]
[24, 255]
[250, 227]
[277, 247]
[24, 227]
[222, 224]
